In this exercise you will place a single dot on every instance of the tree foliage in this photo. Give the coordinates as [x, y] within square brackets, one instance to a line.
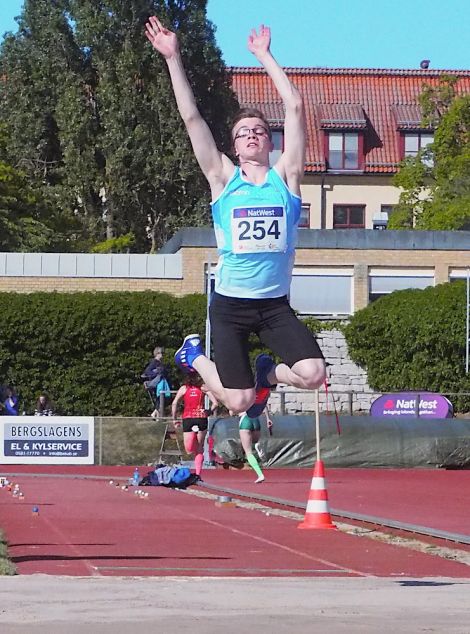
[94, 122]
[413, 340]
[436, 184]
[25, 222]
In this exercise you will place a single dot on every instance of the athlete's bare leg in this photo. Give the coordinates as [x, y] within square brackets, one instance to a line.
[307, 374]
[237, 400]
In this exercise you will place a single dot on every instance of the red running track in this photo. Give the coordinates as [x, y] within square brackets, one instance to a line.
[438, 499]
[88, 527]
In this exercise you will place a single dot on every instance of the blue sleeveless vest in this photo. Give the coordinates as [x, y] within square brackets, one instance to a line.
[256, 232]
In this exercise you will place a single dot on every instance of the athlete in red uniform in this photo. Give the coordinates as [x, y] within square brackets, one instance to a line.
[193, 393]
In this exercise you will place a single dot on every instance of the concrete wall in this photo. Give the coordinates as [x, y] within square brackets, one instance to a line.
[74, 272]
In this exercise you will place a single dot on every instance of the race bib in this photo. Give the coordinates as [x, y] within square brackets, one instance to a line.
[259, 229]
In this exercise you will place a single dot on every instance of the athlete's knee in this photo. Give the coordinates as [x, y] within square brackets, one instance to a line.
[238, 401]
[310, 372]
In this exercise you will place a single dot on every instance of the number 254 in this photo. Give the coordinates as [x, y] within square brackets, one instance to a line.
[258, 230]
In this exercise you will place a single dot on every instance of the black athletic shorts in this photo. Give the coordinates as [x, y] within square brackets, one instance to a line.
[275, 323]
[189, 423]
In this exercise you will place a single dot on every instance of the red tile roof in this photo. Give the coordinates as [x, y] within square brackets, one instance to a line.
[341, 115]
[407, 117]
[380, 101]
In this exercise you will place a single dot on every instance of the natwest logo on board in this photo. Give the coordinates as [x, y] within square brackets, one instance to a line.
[428, 404]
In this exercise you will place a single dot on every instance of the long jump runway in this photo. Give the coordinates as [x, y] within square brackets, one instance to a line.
[86, 526]
[432, 498]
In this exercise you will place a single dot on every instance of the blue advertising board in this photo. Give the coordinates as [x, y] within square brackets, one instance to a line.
[47, 440]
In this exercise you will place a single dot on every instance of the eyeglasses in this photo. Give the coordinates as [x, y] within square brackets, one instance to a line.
[258, 130]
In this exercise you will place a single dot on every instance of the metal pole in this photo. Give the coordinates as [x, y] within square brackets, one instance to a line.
[207, 403]
[468, 321]
[317, 423]
[207, 349]
[100, 441]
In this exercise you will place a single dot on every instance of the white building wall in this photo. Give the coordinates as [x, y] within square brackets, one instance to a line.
[371, 191]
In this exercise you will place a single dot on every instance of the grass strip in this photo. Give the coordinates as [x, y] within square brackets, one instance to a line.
[6, 566]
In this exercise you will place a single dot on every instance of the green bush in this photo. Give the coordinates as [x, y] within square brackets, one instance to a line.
[413, 340]
[6, 566]
[87, 350]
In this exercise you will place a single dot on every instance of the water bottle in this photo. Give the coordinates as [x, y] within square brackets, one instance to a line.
[136, 477]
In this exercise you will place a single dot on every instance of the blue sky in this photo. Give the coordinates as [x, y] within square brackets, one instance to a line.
[339, 33]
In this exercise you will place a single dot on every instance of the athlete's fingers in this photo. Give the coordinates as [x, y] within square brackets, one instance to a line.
[158, 23]
[149, 32]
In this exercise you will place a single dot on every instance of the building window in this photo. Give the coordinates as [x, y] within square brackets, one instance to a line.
[414, 142]
[349, 216]
[380, 218]
[304, 221]
[387, 209]
[278, 142]
[383, 281]
[343, 150]
[322, 291]
[459, 274]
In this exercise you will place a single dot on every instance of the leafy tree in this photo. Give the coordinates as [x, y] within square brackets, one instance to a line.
[25, 224]
[436, 184]
[413, 340]
[38, 66]
[94, 118]
[123, 244]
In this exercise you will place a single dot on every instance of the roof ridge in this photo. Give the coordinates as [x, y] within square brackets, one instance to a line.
[318, 70]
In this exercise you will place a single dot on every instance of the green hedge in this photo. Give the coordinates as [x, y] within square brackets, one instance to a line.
[414, 340]
[87, 350]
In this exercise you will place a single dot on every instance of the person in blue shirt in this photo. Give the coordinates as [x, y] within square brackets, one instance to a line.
[155, 370]
[255, 209]
[156, 380]
[10, 402]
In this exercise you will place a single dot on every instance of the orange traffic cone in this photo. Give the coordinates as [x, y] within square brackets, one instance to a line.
[317, 514]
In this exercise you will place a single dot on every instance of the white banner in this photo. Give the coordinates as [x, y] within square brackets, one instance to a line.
[47, 439]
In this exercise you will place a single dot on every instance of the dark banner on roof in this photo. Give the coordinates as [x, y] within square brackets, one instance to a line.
[413, 405]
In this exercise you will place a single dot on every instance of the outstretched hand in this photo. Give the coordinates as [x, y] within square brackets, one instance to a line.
[163, 40]
[258, 43]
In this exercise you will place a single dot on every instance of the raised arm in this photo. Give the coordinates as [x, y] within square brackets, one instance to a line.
[291, 164]
[215, 166]
[269, 422]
